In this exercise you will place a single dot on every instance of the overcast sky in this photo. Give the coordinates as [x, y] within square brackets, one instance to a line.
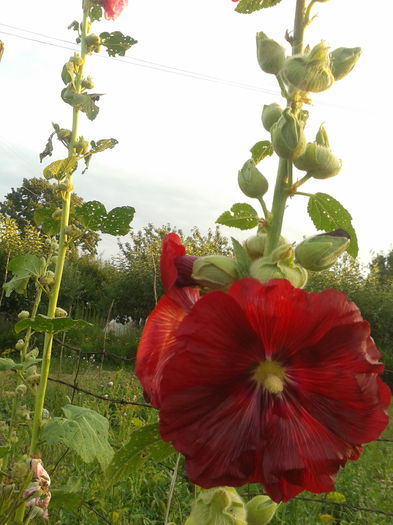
[185, 105]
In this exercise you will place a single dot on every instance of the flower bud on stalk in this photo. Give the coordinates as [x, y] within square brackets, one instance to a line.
[310, 72]
[251, 181]
[218, 506]
[270, 115]
[288, 137]
[214, 272]
[255, 245]
[24, 314]
[60, 312]
[271, 56]
[93, 44]
[20, 344]
[265, 269]
[318, 161]
[321, 251]
[260, 510]
[343, 60]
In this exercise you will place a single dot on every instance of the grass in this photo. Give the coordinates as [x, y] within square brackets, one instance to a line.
[141, 499]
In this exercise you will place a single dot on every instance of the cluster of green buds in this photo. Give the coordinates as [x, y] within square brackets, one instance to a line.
[224, 506]
[319, 252]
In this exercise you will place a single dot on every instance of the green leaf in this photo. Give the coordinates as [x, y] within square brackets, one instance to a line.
[144, 443]
[241, 215]
[4, 450]
[48, 148]
[64, 499]
[23, 267]
[93, 215]
[43, 217]
[118, 220]
[97, 147]
[260, 150]
[84, 431]
[83, 101]
[42, 323]
[242, 259]
[328, 214]
[116, 43]
[60, 168]
[249, 6]
[7, 364]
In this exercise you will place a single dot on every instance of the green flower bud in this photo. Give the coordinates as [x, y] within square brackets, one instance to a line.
[24, 314]
[321, 251]
[310, 72]
[318, 161]
[45, 413]
[283, 253]
[81, 146]
[265, 269]
[255, 245]
[56, 215]
[64, 134]
[60, 312]
[48, 278]
[288, 137]
[321, 137]
[251, 181]
[76, 60]
[214, 272]
[93, 44]
[87, 83]
[270, 115]
[23, 412]
[271, 56]
[33, 354]
[33, 379]
[218, 506]
[260, 510]
[71, 230]
[20, 344]
[343, 60]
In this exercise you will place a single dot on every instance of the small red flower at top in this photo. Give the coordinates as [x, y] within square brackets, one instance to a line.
[113, 8]
[266, 383]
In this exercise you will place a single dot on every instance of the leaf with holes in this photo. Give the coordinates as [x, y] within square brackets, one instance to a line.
[241, 215]
[116, 43]
[84, 431]
[144, 443]
[260, 150]
[23, 267]
[60, 168]
[249, 6]
[93, 215]
[328, 214]
[42, 323]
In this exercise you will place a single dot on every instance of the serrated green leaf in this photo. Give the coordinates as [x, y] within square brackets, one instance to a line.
[84, 431]
[116, 43]
[241, 215]
[260, 150]
[118, 220]
[144, 443]
[249, 6]
[7, 364]
[328, 214]
[60, 168]
[93, 215]
[242, 259]
[42, 323]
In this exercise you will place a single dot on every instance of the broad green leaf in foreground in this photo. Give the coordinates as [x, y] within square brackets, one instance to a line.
[241, 215]
[260, 150]
[249, 6]
[144, 443]
[42, 323]
[84, 431]
[328, 214]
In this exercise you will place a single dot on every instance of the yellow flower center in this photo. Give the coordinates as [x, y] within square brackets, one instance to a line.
[270, 375]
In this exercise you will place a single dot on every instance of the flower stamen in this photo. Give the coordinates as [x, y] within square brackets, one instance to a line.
[270, 375]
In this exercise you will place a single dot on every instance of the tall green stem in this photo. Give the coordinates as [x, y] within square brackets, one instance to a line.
[48, 341]
[284, 172]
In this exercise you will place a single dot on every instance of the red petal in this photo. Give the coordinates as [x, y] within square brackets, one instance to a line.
[171, 248]
[157, 339]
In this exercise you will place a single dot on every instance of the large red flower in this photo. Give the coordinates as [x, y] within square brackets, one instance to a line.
[267, 383]
[113, 8]
[159, 333]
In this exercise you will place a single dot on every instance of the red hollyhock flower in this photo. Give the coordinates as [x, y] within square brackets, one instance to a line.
[113, 8]
[159, 332]
[268, 383]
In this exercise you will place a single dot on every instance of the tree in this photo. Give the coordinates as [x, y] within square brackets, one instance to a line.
[21, 203]
[139, 285]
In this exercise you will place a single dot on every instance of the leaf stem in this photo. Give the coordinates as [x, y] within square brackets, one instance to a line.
[48, 341]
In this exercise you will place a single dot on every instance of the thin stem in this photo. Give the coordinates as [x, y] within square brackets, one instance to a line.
[264, 208]
[299, 183]
[48, 341]
[171, 489]
[34, 311]
[305, 194]
[299, 26]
